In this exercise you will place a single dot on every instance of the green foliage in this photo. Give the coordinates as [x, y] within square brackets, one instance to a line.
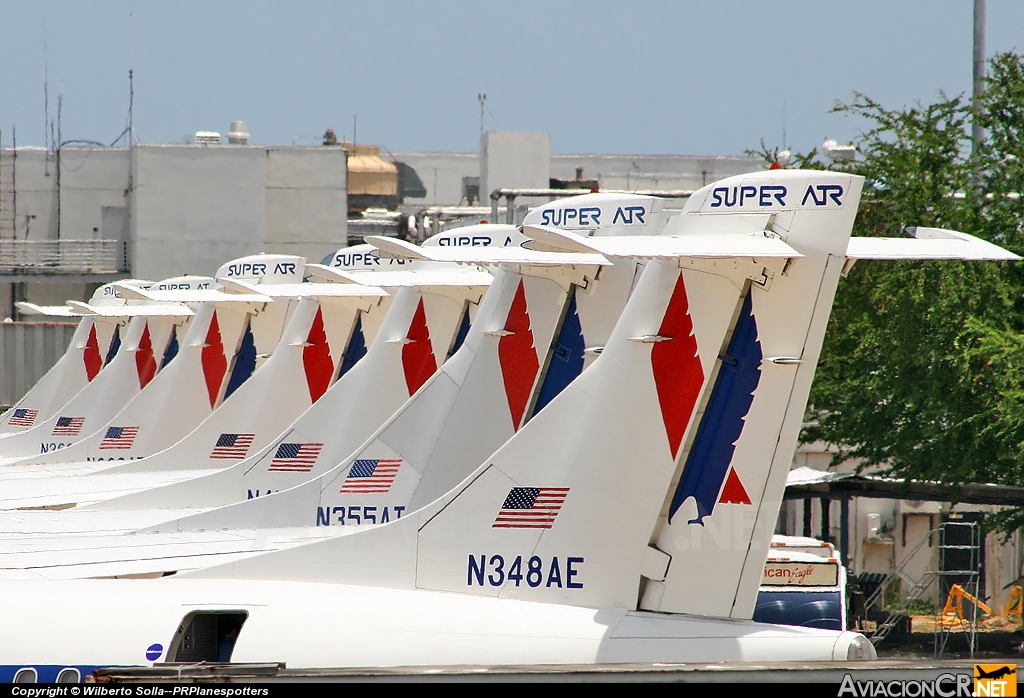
[922, 371]
[920, 607]
[801, 161]
[892, 594]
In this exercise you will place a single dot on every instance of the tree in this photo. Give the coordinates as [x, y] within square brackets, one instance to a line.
[921, 370]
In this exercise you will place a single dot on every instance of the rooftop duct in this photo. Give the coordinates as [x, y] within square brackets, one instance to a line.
[239, 134]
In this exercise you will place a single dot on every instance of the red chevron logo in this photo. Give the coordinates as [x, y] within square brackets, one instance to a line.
[145, 363]
[418, 353]
[518, 358]
[215, 365]
[91, 355]
[678, 373]
[316, 358]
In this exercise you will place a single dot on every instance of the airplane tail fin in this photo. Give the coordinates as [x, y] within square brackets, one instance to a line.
[295, 376]
[685, 425]
[720, 513]
[83, 359]
[79, 365]
[370, 386]
[168, 404]
[726, 496]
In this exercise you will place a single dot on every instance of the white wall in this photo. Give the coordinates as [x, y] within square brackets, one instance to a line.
[90, 178]
[441, 174]
[646, 172]
[306, 201]
[511, 160]
[194, 207]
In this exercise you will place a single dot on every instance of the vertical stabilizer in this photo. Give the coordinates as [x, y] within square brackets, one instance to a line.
[721, 511]
[486, 393]
[370, 386]
[565, 510]
[79, 365]
[98, 402]
[298, 373]
[174, 401]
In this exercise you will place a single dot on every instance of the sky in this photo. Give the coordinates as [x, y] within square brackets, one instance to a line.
[642, 77]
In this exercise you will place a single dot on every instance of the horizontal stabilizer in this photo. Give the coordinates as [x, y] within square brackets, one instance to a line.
[198, 295]
[27, 308]
[314, 290]
[482, 255]
[756, 244]
[156, 310]
[412, 277]
[928, 243]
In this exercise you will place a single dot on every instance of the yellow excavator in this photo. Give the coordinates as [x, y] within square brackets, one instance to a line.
[1015, 603]
[953, 612]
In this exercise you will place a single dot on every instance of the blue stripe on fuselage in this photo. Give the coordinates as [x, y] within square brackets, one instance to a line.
[46, 673]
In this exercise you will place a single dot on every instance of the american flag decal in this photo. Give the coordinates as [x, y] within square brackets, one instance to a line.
[23, 417]
[68, 426]
[118, 438]
[368, 476]
[232, 446]
[530, 507]
[295, 458]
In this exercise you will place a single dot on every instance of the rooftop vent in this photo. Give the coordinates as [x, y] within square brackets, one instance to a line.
[839, 153]
[207, 137]
[239, 134]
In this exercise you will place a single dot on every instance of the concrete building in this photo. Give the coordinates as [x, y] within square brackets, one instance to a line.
[443, 174]
[899, 538]
[74, 219]
[514, 160]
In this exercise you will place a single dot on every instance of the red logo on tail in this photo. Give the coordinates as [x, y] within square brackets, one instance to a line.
[678, 373]
[518, 358]
[214, 363]
[316, 358]
[144, 361]
[418, 353]
[733, 492]
[91, 356]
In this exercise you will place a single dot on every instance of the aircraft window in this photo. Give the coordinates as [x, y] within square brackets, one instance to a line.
[69, 676]
[26, 675]
[207, 636]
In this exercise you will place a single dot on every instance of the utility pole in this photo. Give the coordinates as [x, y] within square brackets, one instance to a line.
[482, 98]
[977, 133]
